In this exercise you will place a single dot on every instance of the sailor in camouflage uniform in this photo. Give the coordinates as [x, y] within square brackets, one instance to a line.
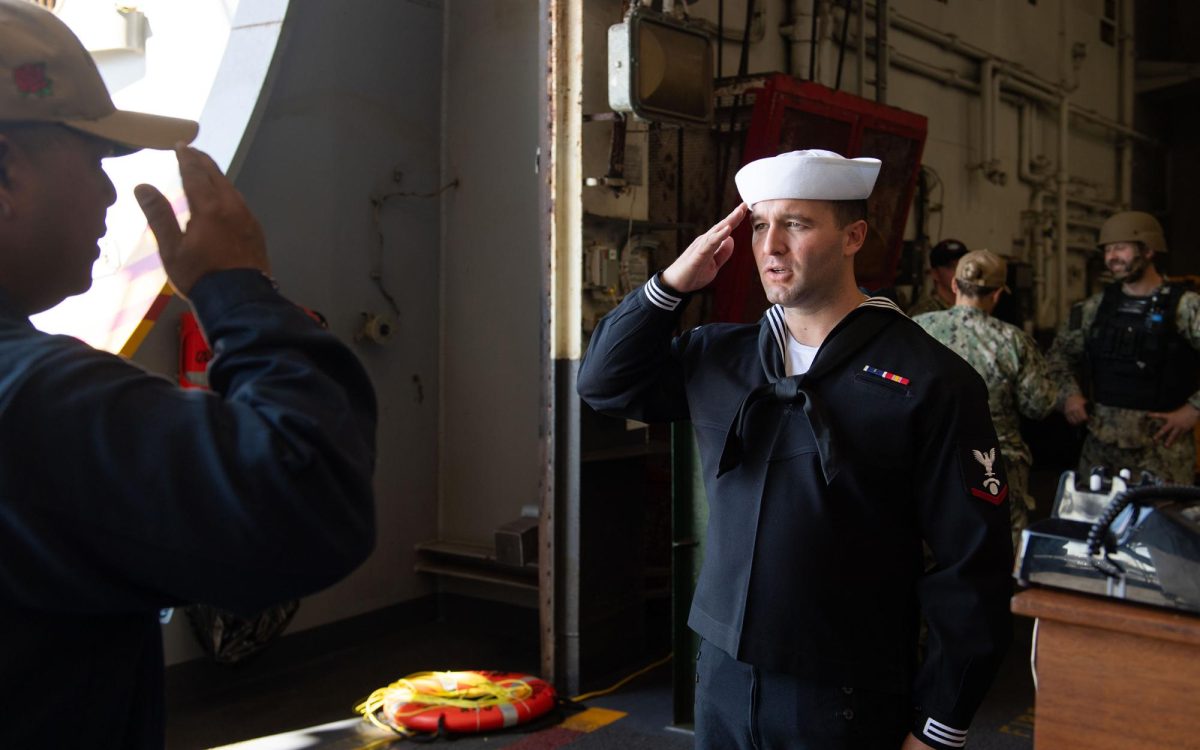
[1136, 345]
[1017, 376]
[943, 259]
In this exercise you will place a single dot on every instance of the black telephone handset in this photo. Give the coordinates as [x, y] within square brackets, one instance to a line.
[1101, 536]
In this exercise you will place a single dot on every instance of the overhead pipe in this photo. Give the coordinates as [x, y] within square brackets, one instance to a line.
[758, 28]
[989, 88]
[1015, 79]
[799, 34]
[1039, 183]
[1064, 123]
[987, 78]
[881, 50]
[861, 52]
[1001, 76]
[1026, 171]
[1125, 63]
[946, 76]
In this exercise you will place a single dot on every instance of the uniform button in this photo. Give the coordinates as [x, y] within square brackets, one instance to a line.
[848, 713]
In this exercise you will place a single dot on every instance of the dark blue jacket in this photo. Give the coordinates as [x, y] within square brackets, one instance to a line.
[121, 494]
[818, 506]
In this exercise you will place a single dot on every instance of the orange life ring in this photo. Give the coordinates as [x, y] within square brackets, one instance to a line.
[466, 702]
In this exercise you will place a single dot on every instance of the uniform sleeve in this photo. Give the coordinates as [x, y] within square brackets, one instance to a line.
[630, 368]
[1037, 392]
[1187, 321]
[1065, 359]
[135, 494]
[963, 515]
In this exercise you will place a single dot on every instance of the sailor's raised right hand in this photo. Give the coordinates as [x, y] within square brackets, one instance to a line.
[696, 267]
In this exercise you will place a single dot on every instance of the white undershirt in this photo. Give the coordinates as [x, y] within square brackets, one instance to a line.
[800, 357]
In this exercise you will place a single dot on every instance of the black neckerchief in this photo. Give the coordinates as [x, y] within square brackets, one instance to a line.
[853, 332]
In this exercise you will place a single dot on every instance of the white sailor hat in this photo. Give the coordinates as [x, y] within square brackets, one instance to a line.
[814, 174]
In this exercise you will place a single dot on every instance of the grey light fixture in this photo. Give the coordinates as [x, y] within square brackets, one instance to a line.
[660, 68]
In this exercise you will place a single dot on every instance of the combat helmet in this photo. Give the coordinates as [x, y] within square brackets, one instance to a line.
[1133, 226]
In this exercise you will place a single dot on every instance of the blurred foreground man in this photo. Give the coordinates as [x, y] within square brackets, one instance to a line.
[1018, 379]
[121, 494]
[835, 437]
[1134, 346]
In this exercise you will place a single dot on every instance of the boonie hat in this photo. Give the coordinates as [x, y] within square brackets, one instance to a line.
[983, 268]
[946, 253]
[814, 174]
[46, 75]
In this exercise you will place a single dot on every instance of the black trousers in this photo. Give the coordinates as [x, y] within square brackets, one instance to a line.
[742, 707]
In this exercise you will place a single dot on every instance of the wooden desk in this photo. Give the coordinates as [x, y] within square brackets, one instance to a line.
[1112, 674]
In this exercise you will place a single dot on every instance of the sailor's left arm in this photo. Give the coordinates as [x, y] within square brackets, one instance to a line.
[1182, 420]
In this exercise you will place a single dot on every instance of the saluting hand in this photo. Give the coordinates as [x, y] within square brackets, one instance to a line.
[1176, 423]
[696, 267]
[221, 234]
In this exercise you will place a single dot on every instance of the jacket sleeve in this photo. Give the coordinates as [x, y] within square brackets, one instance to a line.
[135, 494]
[963, 516]
[1037, 392]
[632, 367]
[1065, 359]
[1187, 322]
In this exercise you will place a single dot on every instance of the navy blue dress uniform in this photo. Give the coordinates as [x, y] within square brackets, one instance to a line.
[821, 489]
[120, 493]
[813, 561]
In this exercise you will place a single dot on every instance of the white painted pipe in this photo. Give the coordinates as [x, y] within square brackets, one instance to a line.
[1064, 133]
[798, 34]
[1125, 117]
[987, 73]
[862, 47]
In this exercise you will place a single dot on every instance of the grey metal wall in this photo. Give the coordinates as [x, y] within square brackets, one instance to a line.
[491, 270]
[355, 104]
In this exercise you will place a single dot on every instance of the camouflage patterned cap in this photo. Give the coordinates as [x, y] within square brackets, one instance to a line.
[983, 268]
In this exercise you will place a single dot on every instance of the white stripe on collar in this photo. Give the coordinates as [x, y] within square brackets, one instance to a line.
[779, 328]
[883, 302]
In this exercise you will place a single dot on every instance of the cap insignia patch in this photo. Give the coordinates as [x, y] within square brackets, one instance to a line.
[31, 80]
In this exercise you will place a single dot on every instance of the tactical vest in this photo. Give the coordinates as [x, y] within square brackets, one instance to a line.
[1136, 358]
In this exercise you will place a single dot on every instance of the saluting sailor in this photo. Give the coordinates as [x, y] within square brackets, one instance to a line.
[836, 436]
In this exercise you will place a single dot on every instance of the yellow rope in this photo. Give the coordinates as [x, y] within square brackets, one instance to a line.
[614, 688]
[430, 691]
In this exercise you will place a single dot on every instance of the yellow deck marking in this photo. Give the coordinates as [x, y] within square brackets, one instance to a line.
[592, 719]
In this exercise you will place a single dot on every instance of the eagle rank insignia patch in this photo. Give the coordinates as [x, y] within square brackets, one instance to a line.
[983, 472]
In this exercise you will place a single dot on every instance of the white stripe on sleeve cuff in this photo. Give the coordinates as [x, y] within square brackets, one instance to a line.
[944, 734]
[659, 298]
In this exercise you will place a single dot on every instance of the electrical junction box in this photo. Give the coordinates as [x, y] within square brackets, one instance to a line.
[660, 69]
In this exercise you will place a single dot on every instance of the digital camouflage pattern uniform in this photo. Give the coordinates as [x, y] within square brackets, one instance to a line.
[927, 302]
[1124, 438]
[1018, 382]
